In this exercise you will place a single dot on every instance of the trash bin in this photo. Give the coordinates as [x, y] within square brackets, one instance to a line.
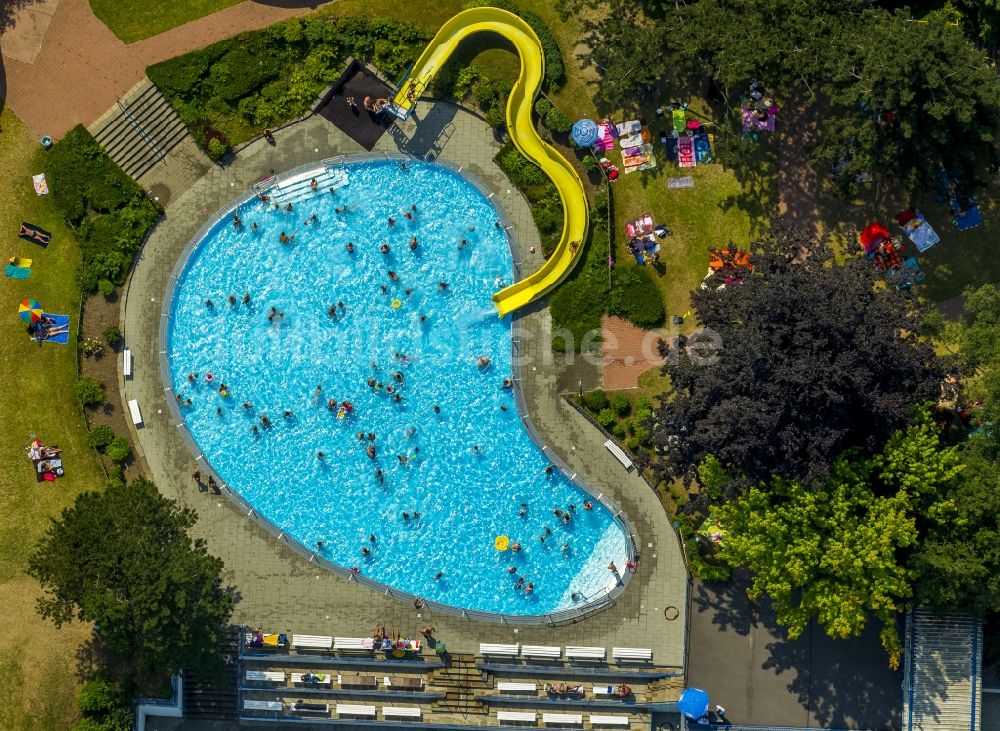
[46, 142]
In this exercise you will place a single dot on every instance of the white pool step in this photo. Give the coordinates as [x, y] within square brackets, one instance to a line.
[298, 188]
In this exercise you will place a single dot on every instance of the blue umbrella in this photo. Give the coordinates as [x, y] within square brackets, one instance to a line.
[584, 132]
[693, 703]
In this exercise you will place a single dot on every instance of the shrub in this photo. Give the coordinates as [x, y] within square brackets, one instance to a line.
[557, 121]
[90, 347]
[118, 450]
[620, 404]
[89, 392]
[632, 443]
[113, 336]
[106, 287]
[596, 400]
[99, 696]
[217, 149]
[636, 297]
[606, 417]
[496, 118]
[466, 79]
[590, 164]
[542, 106]
[100, 436]
[619, 431]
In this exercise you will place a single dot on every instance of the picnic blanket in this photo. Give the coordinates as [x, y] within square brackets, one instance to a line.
[59, 322]
[969, 218]
[15, 272]
[906, 275]
[638, 158]
[631, 127]
[685, 152]
[40, 183]
[640, 226]
[704, 145]
[752, 124]
[34, 234]
[678, 183]
[917, 229]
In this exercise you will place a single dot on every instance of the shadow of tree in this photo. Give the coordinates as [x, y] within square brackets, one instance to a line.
[9, 10]
[727, 602]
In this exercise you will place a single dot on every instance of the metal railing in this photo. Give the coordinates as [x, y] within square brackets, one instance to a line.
[603, 600]
[141, 131]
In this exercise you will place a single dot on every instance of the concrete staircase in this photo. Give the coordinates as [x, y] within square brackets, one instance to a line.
[217, 700]
[461, 682]
[139, 130]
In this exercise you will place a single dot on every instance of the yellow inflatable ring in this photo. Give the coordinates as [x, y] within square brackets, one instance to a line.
[396, 304]
[223, 392]
[501, 543]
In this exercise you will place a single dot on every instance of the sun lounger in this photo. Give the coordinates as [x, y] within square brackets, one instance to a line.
[585, 653]
[326, 679]
[541, 651]
[510, 686]
[347, 709]
[133, 410]
[516, 717]
[302, 707]
[312, 642]
[357, 681]
[127, 362]
[269, 676]
[252, 705]
[365, 644]
[402, 682]
[632, 653]
[620, 455]
[565, 719]
[596, 720]
[486, 648]
[401, 712]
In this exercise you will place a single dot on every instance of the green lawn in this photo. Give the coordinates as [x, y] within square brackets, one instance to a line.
[132, 21]
[37, 665]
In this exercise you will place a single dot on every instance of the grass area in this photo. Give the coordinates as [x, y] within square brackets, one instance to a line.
[132, 20]
[37, 392]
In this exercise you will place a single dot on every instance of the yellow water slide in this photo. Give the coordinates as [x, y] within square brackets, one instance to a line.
[522, 132]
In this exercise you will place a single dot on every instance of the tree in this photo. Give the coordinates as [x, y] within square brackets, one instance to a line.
[834, 554]
[905, 100]
[816, 358]
[123, 560]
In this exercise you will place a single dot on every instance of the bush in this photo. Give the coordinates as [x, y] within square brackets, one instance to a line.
[217, 149]
[89, 392]
[557, 121]
[118, 450]
[496, 118]
[466, 79]
[113, 336]
[632, 443]
[591, 164]
[636, 297]
[619, 431]
[596, 400]
[99, 696]
[606, 417]
[100, 437]
[542, 106]
[620, 404]
[106, 287]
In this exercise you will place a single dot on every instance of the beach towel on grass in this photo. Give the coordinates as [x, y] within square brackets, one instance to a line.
[679, 183]
[40, 183]
[16, 272]
[631, 127]
[34, 234]
[685, 152]
[58, 322]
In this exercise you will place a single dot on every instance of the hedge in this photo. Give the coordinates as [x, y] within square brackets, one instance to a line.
[110, 212]
[636, 297]
[541, 193]
[228, 92]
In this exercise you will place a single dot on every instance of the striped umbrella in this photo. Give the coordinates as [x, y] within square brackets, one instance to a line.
[29, 311]
[584, 132]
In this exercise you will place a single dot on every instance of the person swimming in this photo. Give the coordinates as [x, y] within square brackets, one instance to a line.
[413, 243]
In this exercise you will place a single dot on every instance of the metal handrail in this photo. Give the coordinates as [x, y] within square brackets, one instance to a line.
[139, 129]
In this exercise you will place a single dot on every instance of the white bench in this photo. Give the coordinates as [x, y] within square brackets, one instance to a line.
[249, 705]
[632, 653]
[585, 653]
[307, 707]
[507, 686]
[567, 719]
[127, 362]
[620, 455]
[270, 676]
[609, 720]
[486, 648]
[516, 716]
[346, 709]
[401, 712]
[327, 679]
[312, 642]
[133, 409]
[352, 643]
[544, 651]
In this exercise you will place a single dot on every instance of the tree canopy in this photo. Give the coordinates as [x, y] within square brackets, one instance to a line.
[122, 558]
[816, 359]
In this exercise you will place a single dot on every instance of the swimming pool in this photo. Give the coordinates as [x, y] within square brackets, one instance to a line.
[294, 330]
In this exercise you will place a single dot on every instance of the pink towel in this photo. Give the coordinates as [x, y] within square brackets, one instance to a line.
[685, 152]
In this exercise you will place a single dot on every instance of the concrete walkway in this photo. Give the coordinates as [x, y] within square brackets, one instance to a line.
[283, 591]
[64, 66]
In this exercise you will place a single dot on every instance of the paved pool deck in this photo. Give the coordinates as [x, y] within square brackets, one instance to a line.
[283, 591]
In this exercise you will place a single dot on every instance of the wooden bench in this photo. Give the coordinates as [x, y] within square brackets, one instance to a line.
[565, 719]
[305, 707]
[401, 712]
[609, 720]
[357, 681]
[346, 709]
[270, 676]
[312, 642]
[402, 682]
[127, 362]
[516, 716]
[326, 680]
[249, 705]
[485, 648]
[355, 644]
[585, 653]
[508, 686]
[543, 651]
[133, 410]
[632, 653]
[618, 454]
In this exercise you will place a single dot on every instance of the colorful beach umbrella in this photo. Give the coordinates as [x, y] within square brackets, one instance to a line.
[693, 703]
[29, 311]
[584, 132]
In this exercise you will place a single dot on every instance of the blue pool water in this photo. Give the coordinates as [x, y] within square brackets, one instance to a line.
[465, 497]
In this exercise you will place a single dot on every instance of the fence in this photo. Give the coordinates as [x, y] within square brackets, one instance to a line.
[603, 600]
